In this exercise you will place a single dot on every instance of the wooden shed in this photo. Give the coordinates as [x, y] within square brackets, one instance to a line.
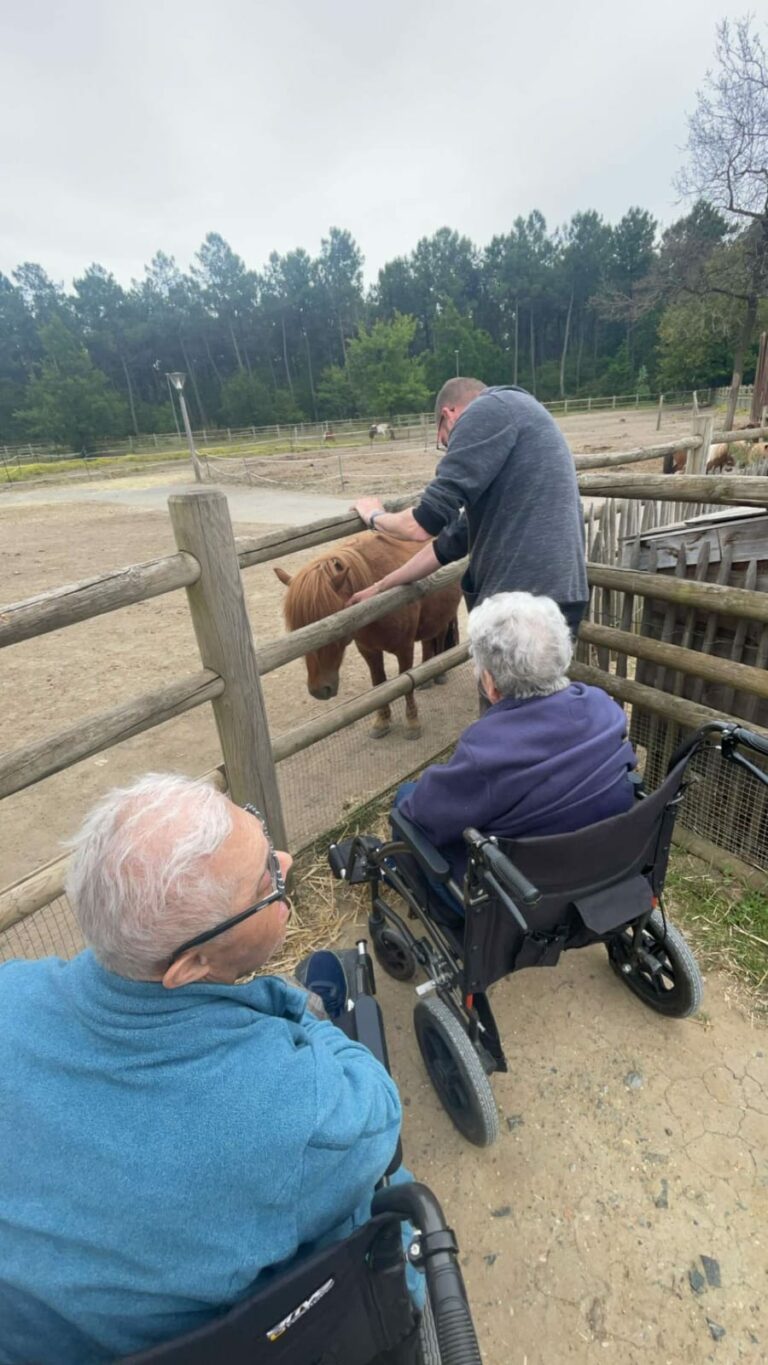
[729, 547]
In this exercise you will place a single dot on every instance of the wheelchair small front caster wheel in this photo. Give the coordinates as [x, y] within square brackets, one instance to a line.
[392, 950]
[664, 974]
[456, 1072]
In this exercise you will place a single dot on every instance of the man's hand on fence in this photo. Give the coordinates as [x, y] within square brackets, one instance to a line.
[363, 595]
[365, 506]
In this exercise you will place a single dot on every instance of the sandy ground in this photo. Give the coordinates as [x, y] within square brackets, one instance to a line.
[405, 466]
[621, 1215]
[630, 1147]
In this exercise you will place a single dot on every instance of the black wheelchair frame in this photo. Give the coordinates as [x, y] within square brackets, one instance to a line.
[349, 1303]
[524, 901]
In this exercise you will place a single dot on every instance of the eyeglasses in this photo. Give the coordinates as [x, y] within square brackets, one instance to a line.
[276, 894]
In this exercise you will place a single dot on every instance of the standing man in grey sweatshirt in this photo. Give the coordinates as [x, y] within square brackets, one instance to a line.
[505, 493]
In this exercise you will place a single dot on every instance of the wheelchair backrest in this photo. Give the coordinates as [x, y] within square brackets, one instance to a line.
[609, 872]
[344, 1305]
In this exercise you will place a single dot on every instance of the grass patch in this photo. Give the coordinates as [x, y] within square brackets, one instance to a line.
[125, 464]
[130, 463]
[726, 924]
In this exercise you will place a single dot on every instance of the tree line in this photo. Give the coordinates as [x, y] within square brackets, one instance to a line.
[590, 307]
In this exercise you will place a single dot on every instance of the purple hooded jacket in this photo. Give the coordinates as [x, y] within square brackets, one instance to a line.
[545, 765]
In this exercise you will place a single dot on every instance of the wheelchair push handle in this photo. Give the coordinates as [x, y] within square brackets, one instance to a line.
[438, 1253]
[504, 870]
[758, 743]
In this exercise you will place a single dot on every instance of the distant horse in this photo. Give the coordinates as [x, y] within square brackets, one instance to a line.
[380, 429]
[720, 457]
[326, 584]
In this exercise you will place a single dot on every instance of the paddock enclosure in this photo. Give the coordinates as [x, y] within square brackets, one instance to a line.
[308, 773]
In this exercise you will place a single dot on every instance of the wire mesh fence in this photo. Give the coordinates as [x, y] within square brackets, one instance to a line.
[322, 784]
[724, 804]
[50, 932]
[319, 787]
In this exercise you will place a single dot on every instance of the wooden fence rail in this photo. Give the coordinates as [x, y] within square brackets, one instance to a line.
[293, 741]
[260, 549]
[711, 668]
[728, 489]
[47, 883]
[689, 714]
[137, 582]
[274, 653]
[23, 767]
[95, 596]
[716, 597]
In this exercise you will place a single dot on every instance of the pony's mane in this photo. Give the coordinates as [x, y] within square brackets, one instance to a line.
[311, 594]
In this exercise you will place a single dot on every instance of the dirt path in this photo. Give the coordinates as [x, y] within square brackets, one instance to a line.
[621, 1216]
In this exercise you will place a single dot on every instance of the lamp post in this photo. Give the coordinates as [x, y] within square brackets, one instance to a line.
[177, 378]
[173, 406]
[457, 363]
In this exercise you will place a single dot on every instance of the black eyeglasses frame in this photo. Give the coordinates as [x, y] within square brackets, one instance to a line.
[277, 894]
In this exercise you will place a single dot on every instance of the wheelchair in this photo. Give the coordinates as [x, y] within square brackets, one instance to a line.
[523, 902]
[349, 1303]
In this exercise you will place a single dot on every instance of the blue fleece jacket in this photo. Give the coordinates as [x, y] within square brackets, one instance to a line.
[160, 1149]
[546, 765]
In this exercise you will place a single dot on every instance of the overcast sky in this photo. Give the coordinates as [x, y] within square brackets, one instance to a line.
[130, 126]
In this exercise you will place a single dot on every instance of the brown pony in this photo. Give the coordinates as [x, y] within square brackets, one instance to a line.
[326, 585]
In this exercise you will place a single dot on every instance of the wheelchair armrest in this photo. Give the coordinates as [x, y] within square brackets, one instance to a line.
[427, 856]
[364, 1023]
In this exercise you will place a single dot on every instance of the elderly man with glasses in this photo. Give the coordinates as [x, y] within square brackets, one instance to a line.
[171, 1125]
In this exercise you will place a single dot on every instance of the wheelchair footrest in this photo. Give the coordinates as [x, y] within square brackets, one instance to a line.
[352, 860]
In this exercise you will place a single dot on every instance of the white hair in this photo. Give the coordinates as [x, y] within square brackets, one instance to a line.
[138, 881]
[523, 642]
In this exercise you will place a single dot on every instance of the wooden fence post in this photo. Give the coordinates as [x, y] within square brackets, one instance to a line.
[696, 460]
[203, 528]
[661, 409]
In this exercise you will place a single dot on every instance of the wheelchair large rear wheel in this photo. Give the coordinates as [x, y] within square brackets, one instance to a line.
[456, 1072]
[667, 979]
[429, 1348]
[392, 949]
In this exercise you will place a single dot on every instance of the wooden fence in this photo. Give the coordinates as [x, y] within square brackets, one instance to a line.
[208, 564]
[297, 434]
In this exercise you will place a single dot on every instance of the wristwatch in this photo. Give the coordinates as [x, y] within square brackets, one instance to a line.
[378, 513]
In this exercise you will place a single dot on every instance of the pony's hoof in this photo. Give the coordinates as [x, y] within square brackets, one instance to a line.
[441, 680]
[413, 732]
[379, 731]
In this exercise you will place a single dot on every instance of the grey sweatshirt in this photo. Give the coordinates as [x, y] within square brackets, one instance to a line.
[508, 466]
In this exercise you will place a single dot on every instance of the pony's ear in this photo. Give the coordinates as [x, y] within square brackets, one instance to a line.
[340, 579]
[284, 577]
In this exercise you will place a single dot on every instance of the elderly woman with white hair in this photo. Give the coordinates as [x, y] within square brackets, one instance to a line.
[549, 756]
